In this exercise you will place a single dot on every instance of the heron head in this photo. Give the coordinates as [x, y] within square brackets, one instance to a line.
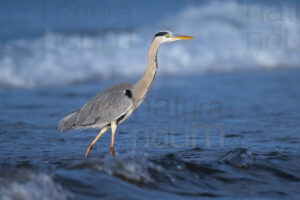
[167, 36]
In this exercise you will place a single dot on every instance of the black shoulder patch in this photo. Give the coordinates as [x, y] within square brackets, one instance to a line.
[161, 34]
[128, 93]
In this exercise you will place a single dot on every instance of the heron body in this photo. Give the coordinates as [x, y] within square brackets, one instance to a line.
[114, 105]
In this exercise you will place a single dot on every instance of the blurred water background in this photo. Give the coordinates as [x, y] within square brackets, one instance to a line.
[71, 41]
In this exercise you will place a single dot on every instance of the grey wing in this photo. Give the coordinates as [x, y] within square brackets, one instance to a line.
[107, 106]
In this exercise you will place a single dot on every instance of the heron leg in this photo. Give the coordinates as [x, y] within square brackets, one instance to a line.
[95, 140]
[113, 130]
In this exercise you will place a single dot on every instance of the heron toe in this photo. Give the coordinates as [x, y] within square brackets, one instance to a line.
[112, 152]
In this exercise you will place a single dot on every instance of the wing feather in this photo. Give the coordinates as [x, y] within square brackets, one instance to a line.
[107, 106]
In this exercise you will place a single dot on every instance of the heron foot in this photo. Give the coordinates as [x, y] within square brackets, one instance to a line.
[112, 151]
[95, 140]
[88, 150]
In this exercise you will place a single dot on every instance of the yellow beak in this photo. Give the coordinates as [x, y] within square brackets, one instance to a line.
[183, 37]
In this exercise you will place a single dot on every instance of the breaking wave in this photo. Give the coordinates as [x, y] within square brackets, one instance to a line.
[230, 36]
[167, 173]
[24, 184]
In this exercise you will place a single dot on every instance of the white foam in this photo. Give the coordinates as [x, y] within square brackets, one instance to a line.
[226, 40]
[32, 186]
[131, 167]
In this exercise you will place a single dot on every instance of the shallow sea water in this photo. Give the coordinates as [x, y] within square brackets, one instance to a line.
[213, 136]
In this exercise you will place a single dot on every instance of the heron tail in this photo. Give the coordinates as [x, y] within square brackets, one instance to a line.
[67, 122]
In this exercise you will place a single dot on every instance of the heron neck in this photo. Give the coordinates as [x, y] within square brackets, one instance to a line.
[142, 86]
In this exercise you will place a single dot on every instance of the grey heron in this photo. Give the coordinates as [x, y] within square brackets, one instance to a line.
[114, 105]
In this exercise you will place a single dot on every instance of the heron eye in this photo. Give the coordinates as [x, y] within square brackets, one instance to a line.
[167, 35]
